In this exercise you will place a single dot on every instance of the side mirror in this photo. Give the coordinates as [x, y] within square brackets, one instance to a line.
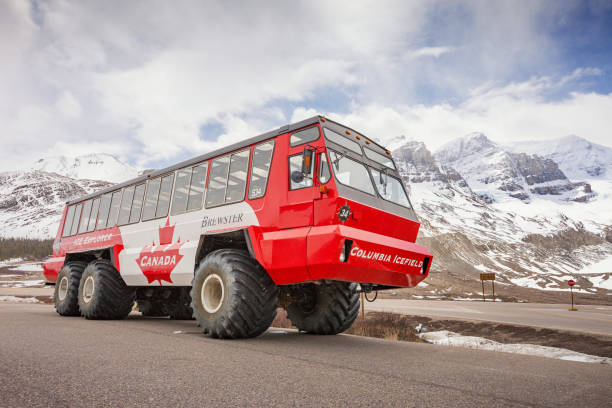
[297, 176]
[307, 160]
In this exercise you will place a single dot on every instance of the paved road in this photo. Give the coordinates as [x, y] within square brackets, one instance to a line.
[47, 360]
[592, 319]
[588, 318]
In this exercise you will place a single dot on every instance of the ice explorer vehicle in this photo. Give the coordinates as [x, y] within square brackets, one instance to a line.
[303, 217]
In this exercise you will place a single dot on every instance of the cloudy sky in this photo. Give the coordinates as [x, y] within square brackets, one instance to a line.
[156, 82]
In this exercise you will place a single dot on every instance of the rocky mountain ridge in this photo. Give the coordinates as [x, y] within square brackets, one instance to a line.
[577, 157]
[497, 174]
[31, 202]
[533, 244]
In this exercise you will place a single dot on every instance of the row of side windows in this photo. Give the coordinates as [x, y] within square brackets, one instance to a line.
[227, 184]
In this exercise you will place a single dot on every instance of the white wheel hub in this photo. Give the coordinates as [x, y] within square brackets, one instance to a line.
[213, 292]
[88, 289]
[62, 290]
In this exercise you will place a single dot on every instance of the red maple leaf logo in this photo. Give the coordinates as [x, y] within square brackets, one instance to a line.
[158, 262]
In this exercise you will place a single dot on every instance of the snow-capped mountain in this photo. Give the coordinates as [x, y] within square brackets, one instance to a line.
[483, 208]
[98, 166]
[31, 202]
[473, 222]
[578, 158]
[497, 174]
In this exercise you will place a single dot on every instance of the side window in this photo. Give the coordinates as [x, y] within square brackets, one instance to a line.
[68, 221]
[196, 190]
[148, 212]
[260, 168]
[94, 215]
[165, 191]
[295, 164]
[85, 216]
[324, 172]
[126, 205]
[181, 191]
[105, 203]
[137, 203]
[77, 217]
[237, 177]
[114, 209]
[218, 181]
[379, 158]
[304, 136]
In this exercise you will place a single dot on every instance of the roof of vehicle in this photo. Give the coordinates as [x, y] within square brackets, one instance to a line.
[210, 155]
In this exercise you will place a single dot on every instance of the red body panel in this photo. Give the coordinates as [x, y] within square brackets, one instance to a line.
[373, 258]
[299, 236]
[109, 238]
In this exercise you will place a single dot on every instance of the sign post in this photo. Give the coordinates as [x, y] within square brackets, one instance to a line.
[484, 299]
[571, 284]
[484, 277]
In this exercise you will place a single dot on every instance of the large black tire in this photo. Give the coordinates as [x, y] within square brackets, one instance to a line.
[108, 297]
[66, 293]
[331, 309]
[232, 296]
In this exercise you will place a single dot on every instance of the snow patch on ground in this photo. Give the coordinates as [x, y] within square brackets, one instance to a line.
[603, 266]
[19, 299]
[528, 282]
[448, 338]
[277, 331]
[602, 281]
[10, 261]
[22, 284]
[28, 267]
[464, 299]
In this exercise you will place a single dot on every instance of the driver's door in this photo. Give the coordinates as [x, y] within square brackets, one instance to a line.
[297, 211]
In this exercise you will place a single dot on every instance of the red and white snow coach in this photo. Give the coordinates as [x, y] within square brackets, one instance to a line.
[304, 217]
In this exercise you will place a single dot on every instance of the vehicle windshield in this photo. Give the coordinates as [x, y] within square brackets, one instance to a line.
[390, 188]
[351, 173]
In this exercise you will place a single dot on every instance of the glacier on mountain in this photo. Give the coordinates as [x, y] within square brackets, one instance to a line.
[97, 166]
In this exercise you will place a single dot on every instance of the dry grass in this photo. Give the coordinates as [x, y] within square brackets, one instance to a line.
[386, 326]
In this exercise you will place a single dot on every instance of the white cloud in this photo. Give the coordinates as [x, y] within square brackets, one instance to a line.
[511, 113]
[155, 73]
[302, 113]
[430, 52]
[68, 105]
[140, 79]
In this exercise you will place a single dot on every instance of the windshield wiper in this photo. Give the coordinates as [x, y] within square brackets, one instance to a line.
[337, 160]
[383, 181]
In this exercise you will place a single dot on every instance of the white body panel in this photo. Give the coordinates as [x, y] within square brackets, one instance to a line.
[180, 234]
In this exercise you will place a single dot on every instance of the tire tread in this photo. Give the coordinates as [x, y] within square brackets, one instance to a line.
[253, 298]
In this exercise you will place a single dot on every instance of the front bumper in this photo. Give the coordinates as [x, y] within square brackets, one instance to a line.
[51, 268]
[367, 257]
